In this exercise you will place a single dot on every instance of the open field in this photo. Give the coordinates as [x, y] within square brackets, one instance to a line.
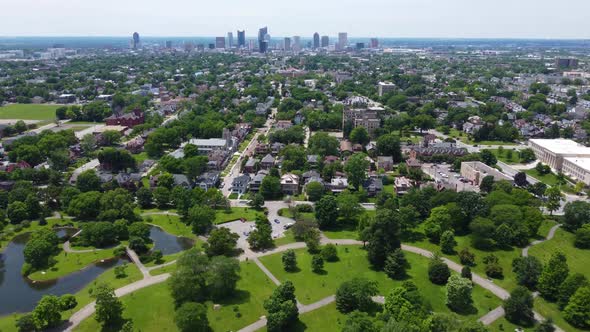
[236, 213]
[28, 111]
[67, 263]
[171, 224]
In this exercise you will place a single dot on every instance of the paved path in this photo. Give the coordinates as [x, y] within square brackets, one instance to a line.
[135, 259]
[68, 247]
[266, 271]
[550, 235]
[492, 316]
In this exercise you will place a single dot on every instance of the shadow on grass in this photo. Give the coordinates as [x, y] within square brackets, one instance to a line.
[471, 310]
[238, 297]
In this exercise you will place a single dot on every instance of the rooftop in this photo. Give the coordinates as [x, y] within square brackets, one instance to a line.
[562, 146]
[583, 163]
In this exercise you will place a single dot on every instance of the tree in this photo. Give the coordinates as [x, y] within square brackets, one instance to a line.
[326, 212]
[144, 197]
[545, 326]
[281, 307]
[466, 272]
[542, 169]
[488, 158]
[189, 282]
[438, 271]
[315, 191]
[466, 257]
[355, 294]
[576, 214]
[520, 179]
[324, 145]
[569, 287]
[527, 270]
[222, 277]
[553, 275]
[88, 181]
[554, 198]
[358, 321]
[270, 187]
[41, 247]
[360, 136]
[329, 253]
[289, 261]
[519, 307]
[383, 237]
[221, 241]
[577, 312]
[459, 293]
[67, 302]
[424, 121]
[487, 184]
[257, 201]
[47, 313]
[448, 243]
[110, 137]
[140, 230]
[201, 218]
[192, 317]
[582, 240]
[312, 240]
[389, 145]
[85, 206]
[261, 237]
[395, 265]
[348, 206]
[26, 323]
[109, 309]
[17, 212]
[356, 169]
[438, 222]
[317, 263]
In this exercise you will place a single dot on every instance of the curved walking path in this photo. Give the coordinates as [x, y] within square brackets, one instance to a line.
[149, 280]
[550, 235]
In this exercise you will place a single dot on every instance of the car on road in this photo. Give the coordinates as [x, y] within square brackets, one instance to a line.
[289, 225]
[277, 221]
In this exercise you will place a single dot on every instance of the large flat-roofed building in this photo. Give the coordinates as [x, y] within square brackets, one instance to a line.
[366, 117]
[577, 168]
[553, 151]
[475, 171]
[385, 87]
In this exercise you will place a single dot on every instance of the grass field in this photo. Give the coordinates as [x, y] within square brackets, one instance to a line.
[252, 290]
[325, 319]
[577, 259]
[463, 137]
[503, 325]
[548, 309]
[503, 157]
[236, 213]
[311, 287]
[67, 263]
[171, 224]
[10, 231]
[288, 238]
[347, 231]
[28, 112]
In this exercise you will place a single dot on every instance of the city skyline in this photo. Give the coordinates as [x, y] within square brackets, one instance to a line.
[385, 19]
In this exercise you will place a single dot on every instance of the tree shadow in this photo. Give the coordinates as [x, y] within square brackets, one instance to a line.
[297, 326]
[471, 310]
[238, 297]
[412, 236]
[295, 270]
[321, 272]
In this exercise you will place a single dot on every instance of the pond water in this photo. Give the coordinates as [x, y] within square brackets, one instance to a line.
[168, 243]
[18, 294]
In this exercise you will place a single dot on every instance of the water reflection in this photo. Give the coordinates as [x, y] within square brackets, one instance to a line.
[168, 243]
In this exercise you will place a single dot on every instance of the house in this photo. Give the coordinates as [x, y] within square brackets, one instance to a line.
[299, 118]
[6, 185]
[385, 163]
[413, 163]
[276, 148]
[330, 160]
[240, 184]
[208, 180]
[309, 174]
[338, 184]
[290, 184]
[130, 120]
[402, 185]
[250, 166]
[283, 124]
[261, 149]
[254, 185]
[129, 181]
[206, 146]
[19, 165]
[146, 165]
[345, 147]
[313, 160]
[135, 145]
[373, 186]
[267, 162]
[181, 180]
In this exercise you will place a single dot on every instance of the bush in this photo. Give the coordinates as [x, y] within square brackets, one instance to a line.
[438, 271]
[395, 265]
[494, 270]
[466, 272]
[582, 240]
[466, 257]
[329, 253]
[317, 263]
[67, 302]
[120, 271]
[289, 261]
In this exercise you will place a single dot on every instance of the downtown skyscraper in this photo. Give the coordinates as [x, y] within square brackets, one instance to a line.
[316, 41]
[263, 39]
[241, 38]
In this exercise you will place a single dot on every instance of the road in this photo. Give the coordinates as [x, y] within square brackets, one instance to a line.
[474, 149]
[89, 165]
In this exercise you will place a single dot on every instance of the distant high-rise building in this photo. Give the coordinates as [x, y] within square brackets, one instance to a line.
[374, 43]
[263, 39]
[136, 40]
[220, 42]
[211, 46]
[168, 44]
[316, 40]
[296, 44]
[287, 44]
[241, 38]
[342, 40]
[360, 46]
[230, 40]
[325, 41]
[566, 62]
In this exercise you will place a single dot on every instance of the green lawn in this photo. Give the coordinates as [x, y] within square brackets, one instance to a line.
[503, 325]
[171, 224]
[140, 157]
[347, 230]
[67, 263]
[236, 213]
[311, 287]
[252, 290]
[165, 259]
[288, 238]
[549, 179]
[84, 296]
[577, 259]
[325, 319]
[503, 157]
[548, 309]
[463, 137]
[162, 270]
[10, 231]
[28, 112]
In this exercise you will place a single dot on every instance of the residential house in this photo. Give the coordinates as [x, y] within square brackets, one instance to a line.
[182, 181]
[129, 181]
[413, 163]
[146, 165]
[385, 163]
[267, 162]
[130, 120]
[250, 166]
[254, 185]
[338, 184]
[313, 160]
[290, 184]
[261, 149]
[276, 148]
[240, 184]
[345, 147]
[402, 185]
[208, 180]
[373, 186]
[328, 160]
[283, 124]
[135, 145]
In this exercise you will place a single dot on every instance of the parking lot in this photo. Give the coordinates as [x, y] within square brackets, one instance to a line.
[442, 173]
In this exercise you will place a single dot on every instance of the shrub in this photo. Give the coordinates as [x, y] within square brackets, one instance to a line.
[466, 257]
[329, 253]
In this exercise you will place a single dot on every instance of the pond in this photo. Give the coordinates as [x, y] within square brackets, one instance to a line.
[168, 243]
[18, 294]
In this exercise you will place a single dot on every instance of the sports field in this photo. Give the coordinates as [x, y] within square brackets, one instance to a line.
[28, 112]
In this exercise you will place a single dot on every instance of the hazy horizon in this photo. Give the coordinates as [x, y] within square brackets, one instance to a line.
[451, 19]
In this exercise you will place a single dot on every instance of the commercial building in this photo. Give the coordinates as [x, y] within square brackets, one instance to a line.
[374, 43]
[136, 40]
[316, 41]
[566, 63]
[342, 41]
[367, 118]
[230, 40]
[296, 44]
[263, 38]
[325, 41]
[241, 38]
[287, 44]
[385, 87]
[475, 171]
[553, 151]
[220, 42]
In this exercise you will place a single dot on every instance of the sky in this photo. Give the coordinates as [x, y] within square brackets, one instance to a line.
[360, 18]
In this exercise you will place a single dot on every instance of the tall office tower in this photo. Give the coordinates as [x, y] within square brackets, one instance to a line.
[325, 41]
[287, 44]
[296, 44]
[374, 43]
[220, 42]
[136, 40]
[168, 44]
[230, 40]
[342, 40]
[262, 40]
[316, 40]
[241, 38]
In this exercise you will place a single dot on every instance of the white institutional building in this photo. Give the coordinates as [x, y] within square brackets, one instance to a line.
[564, 155]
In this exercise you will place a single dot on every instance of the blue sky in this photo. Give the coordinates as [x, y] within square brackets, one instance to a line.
[360, 18]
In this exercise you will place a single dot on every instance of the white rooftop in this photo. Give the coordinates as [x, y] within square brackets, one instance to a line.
[208, 142]
[583, 163]
[563, 146]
